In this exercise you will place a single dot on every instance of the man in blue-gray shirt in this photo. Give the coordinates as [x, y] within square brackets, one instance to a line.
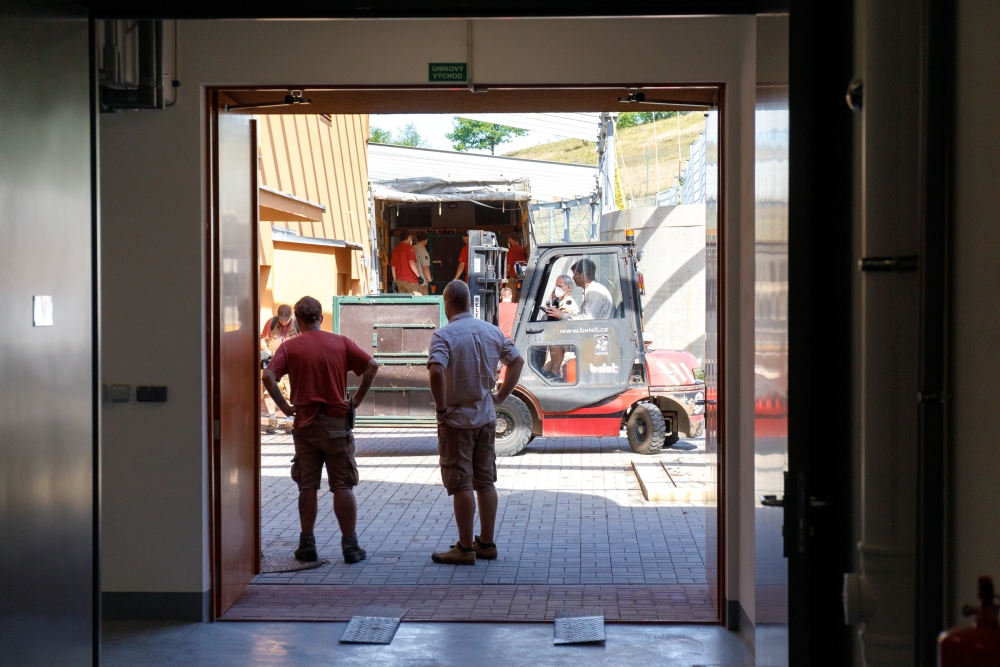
[464, 358]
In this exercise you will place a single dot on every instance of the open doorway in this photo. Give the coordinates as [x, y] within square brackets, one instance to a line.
[588, 514]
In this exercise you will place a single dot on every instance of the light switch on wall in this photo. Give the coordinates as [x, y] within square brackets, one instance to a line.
[119, 393]
[42, 307]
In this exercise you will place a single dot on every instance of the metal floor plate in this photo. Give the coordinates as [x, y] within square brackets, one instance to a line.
[579, 626]
[375, 624]
[370, 630]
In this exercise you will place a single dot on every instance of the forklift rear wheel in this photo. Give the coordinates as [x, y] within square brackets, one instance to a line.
[646, 429]
[513, 427]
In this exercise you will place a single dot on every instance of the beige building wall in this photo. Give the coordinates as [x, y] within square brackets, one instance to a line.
[322, 159]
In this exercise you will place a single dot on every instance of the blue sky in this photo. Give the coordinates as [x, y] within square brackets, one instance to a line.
[433, 127]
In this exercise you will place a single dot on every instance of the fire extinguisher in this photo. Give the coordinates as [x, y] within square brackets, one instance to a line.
[978, 646]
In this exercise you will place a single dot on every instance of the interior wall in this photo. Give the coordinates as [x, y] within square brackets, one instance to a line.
[975, 400]
[154, 207]
[47, 405]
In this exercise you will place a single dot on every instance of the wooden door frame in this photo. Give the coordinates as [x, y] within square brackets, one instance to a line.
[213, 329]
[213, 312]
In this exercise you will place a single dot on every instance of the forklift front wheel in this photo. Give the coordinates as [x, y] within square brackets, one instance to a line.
[513, 427]
[646, 429]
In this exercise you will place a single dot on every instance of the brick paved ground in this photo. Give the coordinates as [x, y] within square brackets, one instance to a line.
[463, 602]
[571, 522]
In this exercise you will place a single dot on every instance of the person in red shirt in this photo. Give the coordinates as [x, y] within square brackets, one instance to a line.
[515, 253]
[317, 363]
[463, 258]
[403, 263]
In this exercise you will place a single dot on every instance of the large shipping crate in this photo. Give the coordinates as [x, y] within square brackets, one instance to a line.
[395, 329]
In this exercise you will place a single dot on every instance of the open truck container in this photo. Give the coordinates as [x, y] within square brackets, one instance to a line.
[395, 329]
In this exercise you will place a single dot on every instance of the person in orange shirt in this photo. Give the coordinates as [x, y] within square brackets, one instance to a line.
[463, 258]
[515, 253]
[403, 263]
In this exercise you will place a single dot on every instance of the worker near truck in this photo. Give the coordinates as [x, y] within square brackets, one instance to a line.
[597, 303]
[276, 331]
[317, 363]
[515, 253]
[423, 260]
[463, 361]
[463, 258]
[403, 263]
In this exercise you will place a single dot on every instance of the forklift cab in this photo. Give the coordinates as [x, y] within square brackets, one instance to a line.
[589, 350]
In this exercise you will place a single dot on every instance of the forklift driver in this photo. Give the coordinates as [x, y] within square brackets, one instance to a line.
[561, 300]
[597, 303]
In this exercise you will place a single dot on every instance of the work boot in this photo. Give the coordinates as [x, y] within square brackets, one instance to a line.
[352, 552]
[286, 426]
[307, 549]
[484, 550]
[272, 425]
[457, 555]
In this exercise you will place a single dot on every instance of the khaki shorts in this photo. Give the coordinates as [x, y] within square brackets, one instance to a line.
[404, 287]
[468, 457]
[325, 440]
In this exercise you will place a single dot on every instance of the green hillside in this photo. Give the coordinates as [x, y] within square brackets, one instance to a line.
[650, 165]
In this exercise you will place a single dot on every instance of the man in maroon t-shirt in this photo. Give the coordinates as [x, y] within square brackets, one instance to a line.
[317, 363]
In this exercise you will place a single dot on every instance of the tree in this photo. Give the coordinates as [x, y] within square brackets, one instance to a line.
[478, 135]
[633, 118]
[408, 136]
[378, 135]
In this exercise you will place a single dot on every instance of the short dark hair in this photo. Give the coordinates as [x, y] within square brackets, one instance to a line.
[284, 310]
[586, 267]
[457, 294]
[405, 233]
[309, 310]
[421, 236]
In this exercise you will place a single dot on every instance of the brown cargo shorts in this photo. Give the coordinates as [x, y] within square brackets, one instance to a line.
[468, 457]
[404, 287]
[326, 440]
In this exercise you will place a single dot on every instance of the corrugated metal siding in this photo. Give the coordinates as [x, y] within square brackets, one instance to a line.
[549, 180]
[322, 159]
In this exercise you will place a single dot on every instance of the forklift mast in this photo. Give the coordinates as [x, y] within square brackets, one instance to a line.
[486, 273]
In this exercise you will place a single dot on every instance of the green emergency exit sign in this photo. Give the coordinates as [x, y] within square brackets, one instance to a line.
[448, 72]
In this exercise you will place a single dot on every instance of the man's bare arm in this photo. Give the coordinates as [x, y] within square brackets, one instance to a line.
[461, 267]
[510, 379]
[413, 267]
[438, 386]
[367, 377]
[271, 384]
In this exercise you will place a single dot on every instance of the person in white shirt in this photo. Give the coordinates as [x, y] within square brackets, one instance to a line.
[597, 303]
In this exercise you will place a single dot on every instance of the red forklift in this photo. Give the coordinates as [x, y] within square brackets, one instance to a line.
[585, 377]
[582, 377]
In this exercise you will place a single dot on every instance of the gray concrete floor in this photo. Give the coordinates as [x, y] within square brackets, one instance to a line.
[415, 645]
